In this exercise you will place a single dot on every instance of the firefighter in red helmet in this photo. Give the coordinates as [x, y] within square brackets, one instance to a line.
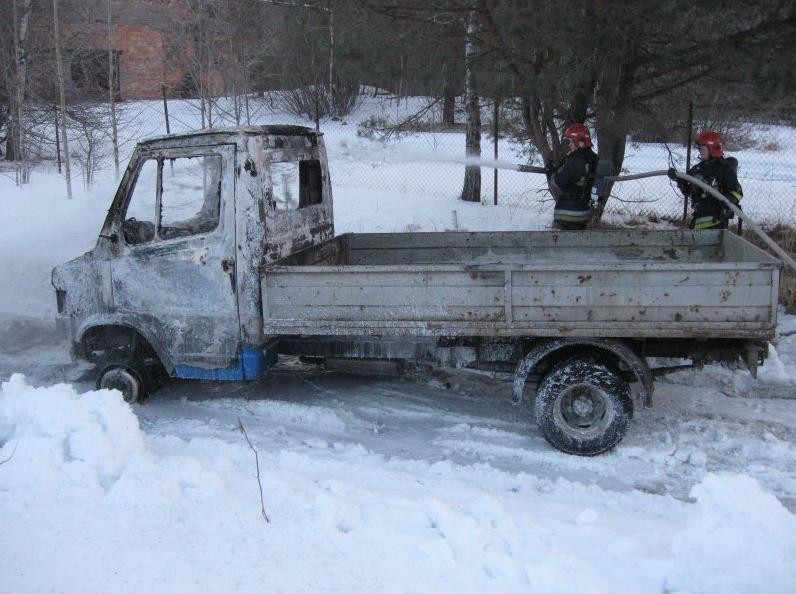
[717, 172]
[571, 180]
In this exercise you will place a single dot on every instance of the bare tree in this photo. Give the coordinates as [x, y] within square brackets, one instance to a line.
[89, 124]
[471, 192]
[332, 77]
[193, 47]
[618, 56]
[313, 77]
[112, 94]
[16, 145]
[59, 66]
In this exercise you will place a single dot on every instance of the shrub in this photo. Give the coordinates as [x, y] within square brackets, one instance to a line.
[373, 127]
[318, 101]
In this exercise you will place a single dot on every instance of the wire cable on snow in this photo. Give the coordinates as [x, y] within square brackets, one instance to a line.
[257, 462]
[14, 451]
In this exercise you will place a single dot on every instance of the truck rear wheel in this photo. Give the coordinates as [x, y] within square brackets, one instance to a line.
[127, 375]
[583, 407]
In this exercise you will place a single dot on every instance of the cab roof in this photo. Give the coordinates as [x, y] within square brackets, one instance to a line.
[228, 133]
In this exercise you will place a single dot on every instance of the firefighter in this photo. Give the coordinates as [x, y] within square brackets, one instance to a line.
[571, 181]
[717, 172]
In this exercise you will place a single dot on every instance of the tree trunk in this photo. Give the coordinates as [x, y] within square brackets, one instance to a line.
[13, 149]
[611, 148]
[448, 107]
[11, 136]
[112, 95]
[448, 98]
[59, 67]
[332, 98]
[16, 131]
[471, 192]
[612, 102]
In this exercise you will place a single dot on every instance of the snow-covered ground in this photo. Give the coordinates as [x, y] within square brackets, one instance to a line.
[427, 483]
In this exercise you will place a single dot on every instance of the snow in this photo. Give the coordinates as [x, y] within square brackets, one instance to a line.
[121, 508]
[735, 524]
[372, 483]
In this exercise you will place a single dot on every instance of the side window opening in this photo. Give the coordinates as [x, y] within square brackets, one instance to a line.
[296, 184]
[190, 195]
[178, 197]
[285, 183]
[139, 220]
[311, 183]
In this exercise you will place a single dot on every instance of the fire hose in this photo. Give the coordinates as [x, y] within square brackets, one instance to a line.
[601, 180]
[724, 200]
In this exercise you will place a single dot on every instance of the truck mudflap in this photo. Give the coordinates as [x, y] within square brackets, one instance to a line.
[756, 354]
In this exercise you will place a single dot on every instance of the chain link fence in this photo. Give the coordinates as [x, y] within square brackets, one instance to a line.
[425, 160]
[766, 167]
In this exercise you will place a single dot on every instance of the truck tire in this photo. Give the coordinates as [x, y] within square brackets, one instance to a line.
[128, 375]
[583, 407]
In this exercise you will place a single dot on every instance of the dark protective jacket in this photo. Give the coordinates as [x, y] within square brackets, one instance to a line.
[709, 212]
[572, 183]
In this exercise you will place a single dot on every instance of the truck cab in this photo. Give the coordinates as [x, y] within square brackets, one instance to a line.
[173, 281]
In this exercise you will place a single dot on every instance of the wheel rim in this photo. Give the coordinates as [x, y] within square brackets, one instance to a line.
[119, 378]
[583, 410]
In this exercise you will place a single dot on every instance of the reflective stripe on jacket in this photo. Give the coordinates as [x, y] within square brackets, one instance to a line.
[572, 216]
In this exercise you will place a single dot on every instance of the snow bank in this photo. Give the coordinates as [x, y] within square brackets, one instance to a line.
[740, 540]
[90, 438]
[87, 506]
[91, 503]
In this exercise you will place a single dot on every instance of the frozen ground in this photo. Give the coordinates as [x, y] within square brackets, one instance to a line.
[427, 483]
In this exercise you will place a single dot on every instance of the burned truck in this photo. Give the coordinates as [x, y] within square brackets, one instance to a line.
[218, 254]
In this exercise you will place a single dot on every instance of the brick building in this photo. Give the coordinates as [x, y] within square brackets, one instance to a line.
[150, 49]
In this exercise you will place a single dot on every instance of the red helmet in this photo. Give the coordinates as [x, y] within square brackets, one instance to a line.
[712, 140]
[579, 134]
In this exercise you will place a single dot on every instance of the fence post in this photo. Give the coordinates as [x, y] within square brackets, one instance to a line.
[688, 153]
[57, 137]
[165, 108]
[317, 112]
[496, 127]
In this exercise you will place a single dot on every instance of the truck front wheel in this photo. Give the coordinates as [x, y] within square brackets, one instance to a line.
[583, 407]
[126, 375]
